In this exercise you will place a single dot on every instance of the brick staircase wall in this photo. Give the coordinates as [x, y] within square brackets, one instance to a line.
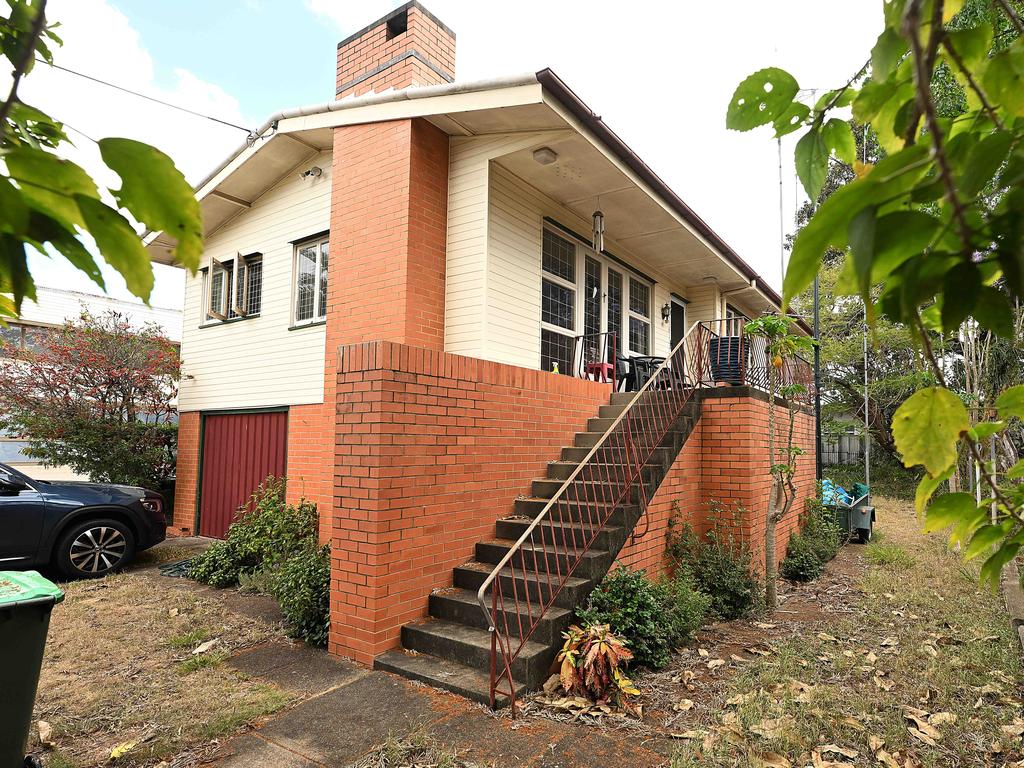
[725, 460]
[430, 450]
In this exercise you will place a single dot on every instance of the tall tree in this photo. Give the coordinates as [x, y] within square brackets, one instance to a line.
[98, 395]
[929, 245]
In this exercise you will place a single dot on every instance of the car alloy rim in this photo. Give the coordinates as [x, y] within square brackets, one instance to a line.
[98, 549]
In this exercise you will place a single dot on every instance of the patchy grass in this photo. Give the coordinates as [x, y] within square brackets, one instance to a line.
[888, 554]
[917, 667]
[414, 751]
[119, 668]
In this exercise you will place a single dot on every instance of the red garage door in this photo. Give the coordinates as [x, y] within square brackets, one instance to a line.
[239, 451]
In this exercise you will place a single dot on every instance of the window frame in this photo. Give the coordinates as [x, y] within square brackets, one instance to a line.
[228, 312]
[628, 276]
[320, 302]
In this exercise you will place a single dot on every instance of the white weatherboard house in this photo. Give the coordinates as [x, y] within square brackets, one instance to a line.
[391, 280]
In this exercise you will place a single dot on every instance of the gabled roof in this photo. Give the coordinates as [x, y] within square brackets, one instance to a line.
[654, 219]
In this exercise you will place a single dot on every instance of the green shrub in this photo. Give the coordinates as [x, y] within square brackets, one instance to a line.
[818, 541]
[270, 532]
[273, 548]
[302, 586]
[803, 561]
[651, 617]
[716, 564]
[687, 607]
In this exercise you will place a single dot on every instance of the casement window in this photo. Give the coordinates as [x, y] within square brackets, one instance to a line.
[233, 289]
[557, 303]
[590, 295]
[310, 304]
[639, 317]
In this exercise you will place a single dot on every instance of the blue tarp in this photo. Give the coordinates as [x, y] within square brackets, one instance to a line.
[834, 494]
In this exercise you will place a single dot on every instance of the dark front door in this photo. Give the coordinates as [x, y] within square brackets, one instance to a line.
[240, 450]
[678, 321]
[21, 519]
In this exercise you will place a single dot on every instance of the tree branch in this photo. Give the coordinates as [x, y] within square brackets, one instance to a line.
[1012, 15]
[971, 82]
[21, 65]
[924, 62]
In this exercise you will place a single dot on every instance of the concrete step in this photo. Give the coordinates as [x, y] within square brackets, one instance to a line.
[578, 453]
[560, 533]
[599, 425]
[560, 471]
[622, 514]
[471, 647]
[461, 606]
[553, 560]
[540, 587]
[597, 489]
[610, 411]
[445, 674]
[587, 439]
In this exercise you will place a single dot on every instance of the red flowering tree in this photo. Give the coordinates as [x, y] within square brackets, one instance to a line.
[98, 395]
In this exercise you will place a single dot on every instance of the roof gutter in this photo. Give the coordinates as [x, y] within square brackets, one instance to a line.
[585, 115]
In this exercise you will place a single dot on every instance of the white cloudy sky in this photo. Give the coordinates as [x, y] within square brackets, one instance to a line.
[659, 73]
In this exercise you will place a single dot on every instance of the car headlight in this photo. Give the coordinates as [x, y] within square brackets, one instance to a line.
[152, 505]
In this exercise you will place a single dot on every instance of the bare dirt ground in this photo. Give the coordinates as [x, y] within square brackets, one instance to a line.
[134, 664]
[894, 657]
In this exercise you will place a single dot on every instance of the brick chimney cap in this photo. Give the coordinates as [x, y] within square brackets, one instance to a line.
[398, 11]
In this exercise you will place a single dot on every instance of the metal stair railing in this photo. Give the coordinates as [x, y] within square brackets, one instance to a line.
[548, 553]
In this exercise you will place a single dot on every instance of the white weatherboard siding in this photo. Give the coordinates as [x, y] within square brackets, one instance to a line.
[467, 330]
[515, 226]
[258, 361]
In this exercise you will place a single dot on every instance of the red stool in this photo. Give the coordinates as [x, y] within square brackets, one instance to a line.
[602, 372]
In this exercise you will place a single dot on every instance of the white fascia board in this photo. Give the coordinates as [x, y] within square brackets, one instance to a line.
[403, 109]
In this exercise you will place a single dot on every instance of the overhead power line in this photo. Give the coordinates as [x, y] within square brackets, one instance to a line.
[249, 131]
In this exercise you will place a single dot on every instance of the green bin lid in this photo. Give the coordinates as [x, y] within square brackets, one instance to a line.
[25, 586]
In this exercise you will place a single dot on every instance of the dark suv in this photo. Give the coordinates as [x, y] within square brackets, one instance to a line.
[84, 530]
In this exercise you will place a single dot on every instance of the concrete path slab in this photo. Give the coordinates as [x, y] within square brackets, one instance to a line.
[579, 749]
[342, 725]
[296, 667]
[250, 751]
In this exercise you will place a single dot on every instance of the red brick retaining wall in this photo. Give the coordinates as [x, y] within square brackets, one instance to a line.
[431, 449]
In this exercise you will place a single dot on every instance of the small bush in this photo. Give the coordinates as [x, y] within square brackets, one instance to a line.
[803, 561]
[589, 666]
[818, 541]
[687, 608]
[273, 549]
[302, 587]
[270, 532]
[716, 564]
[651, 617]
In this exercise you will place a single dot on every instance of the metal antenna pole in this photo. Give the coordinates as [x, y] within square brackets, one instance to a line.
[817, 382]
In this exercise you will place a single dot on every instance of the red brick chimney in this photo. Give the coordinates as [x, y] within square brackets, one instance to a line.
[408, 47]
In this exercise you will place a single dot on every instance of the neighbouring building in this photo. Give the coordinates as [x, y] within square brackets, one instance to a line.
[51, 309]
[390, 282]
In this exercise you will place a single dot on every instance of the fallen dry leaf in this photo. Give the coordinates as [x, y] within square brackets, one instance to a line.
[942, 718]
[716, 663]
[875, 743]
[854, 723]
[886, 759]
[683, 706]
[204, 647]
[835, 749]
[773, 728]
[767, 760]
[45, 733]
[922, 737]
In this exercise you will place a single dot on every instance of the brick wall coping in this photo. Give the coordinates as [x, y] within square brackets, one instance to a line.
[721, 393]
[391, 356]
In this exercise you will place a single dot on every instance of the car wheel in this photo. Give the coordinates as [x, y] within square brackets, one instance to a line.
[94, 548]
